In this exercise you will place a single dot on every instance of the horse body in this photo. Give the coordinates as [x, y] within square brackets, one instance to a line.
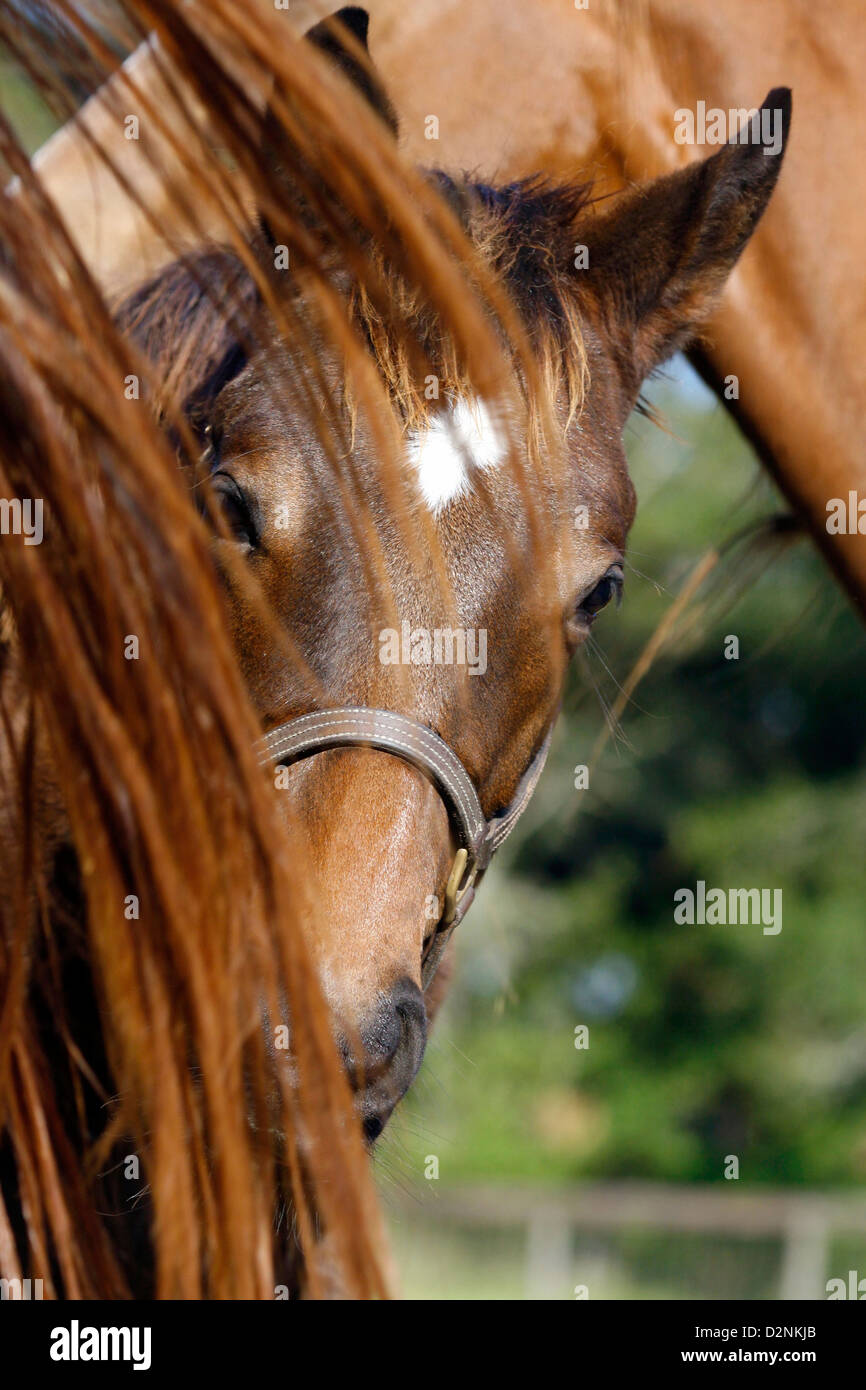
[559, 88]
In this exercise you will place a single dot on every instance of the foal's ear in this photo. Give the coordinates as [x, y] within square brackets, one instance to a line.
[195, 323]
[659, 259]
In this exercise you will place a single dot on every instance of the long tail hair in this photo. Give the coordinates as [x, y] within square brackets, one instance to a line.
[150, 905]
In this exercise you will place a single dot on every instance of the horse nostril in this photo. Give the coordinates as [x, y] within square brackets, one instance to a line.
[392, 1046]
[408, 1004]
[410, 1011]
[373, 1126]
[393, 1041]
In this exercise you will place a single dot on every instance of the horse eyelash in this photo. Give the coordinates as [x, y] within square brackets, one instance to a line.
[240, 499]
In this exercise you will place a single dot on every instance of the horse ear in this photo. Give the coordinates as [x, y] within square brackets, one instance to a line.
[343, 39]
[194, 322]
[659, 259]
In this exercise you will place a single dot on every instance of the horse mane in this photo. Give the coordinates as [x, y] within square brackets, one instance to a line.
[149, 913]
[195, 319]
[139, 972]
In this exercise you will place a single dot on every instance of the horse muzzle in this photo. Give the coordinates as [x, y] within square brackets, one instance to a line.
[384, 1060]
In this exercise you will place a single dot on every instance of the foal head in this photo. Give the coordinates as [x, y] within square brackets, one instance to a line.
[457, 589]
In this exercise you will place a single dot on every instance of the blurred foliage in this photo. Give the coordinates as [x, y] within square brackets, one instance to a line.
[39, 91]
[30, 117]
[704, 1041]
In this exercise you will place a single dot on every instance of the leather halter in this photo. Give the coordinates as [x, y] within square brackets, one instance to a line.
[478, 837]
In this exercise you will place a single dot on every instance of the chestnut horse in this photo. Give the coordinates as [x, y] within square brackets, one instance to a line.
[350, 530]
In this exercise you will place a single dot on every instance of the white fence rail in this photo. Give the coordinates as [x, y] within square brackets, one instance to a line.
[555, 1220]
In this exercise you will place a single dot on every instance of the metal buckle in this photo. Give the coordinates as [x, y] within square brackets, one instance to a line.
[456, 889]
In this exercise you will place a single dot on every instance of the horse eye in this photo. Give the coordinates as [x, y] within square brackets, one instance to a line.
[607, 588]
[234, 509]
